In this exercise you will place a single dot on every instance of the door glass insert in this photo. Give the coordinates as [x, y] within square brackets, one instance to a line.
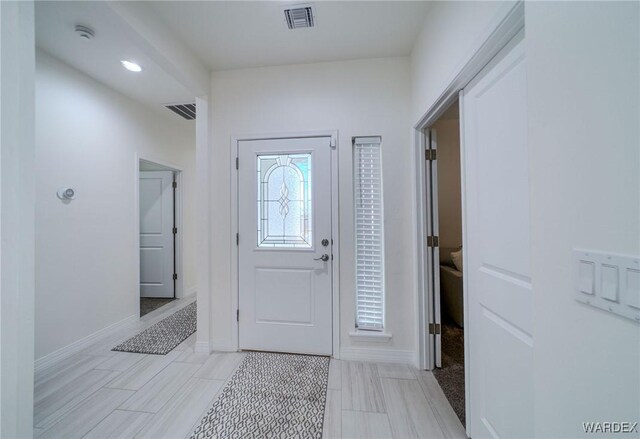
[284, 200]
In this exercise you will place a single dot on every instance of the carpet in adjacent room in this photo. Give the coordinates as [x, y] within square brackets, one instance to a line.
[149, 304]
[451, 375]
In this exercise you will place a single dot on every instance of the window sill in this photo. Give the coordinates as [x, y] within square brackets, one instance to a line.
[373, 336]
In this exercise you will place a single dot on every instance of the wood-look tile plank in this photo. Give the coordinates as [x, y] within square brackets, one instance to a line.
[179, 417]
[87, 415]
[119, 425]
[143, 371]
[51, 380]
[187, 343]
[49, 410]
[161, 388]
[335, 374]
[445, 415]
[361, 389]
[391, 370]
[365, 425]
[188, 356]
[120, 361]
[53, 370]
[332, 426]
[103, 348]
[220, 365]
[410, 415]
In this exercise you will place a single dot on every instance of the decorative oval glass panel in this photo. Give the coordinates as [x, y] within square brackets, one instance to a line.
[284, 201]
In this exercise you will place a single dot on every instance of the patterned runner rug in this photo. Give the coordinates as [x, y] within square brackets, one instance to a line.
[270, 396]
[165, 335]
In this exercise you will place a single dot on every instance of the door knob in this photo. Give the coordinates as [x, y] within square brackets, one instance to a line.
[323, 258]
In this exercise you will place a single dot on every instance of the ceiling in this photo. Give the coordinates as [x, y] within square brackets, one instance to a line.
[239, 34]
[100, 57]
[224, 35]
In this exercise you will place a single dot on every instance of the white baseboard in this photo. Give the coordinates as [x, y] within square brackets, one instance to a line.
[81, 344]
[223, 347]
[202, 347]
[378, 355]
[191, 291]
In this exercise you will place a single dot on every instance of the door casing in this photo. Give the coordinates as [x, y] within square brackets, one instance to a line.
[179, 223]
[509, 22]
[335, 229]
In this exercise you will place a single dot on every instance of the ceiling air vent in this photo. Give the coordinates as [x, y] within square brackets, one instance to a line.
[188, 111]
[299, 16]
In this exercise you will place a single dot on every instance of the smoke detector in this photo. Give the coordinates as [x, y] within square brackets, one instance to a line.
[84, 32]
[300, 16]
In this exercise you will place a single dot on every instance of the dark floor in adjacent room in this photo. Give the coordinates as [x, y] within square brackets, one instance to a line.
[148, 304]
[451, 375]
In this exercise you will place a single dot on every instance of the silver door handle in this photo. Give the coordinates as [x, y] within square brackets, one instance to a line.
[323, 258]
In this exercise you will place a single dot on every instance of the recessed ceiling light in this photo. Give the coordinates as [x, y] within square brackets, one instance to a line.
[131, 66]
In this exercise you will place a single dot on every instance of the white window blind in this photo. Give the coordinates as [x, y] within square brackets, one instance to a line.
[369, 233]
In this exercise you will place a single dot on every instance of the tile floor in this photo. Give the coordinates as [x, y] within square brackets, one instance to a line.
[99, 393]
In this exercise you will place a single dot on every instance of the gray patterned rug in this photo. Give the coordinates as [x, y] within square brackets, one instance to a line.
[270, 396]
[165, 335]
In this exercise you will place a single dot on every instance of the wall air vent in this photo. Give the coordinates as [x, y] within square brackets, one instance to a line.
[300, 16]
[188, 111]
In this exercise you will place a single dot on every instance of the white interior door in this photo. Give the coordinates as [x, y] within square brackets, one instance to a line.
[497, 252]
[156, 234]
[284, 189]
[433, 250]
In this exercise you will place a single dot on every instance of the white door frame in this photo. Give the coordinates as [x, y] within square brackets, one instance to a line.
[335, 229]
[178, 207]
[508, 22]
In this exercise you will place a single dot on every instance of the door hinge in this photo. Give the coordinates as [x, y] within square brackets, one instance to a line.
[175, 230]
[433, 241]
[237, 315]
[174, 184]
[435, 328]
[237, 163]
[332, 142]
[430, 154]
[237, 239]
[175, 276]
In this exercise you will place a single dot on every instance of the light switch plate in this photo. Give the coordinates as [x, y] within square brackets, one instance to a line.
[632, 286]
[587, 277]
[607, 281]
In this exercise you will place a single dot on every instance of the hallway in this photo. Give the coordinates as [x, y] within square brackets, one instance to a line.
[100, 393]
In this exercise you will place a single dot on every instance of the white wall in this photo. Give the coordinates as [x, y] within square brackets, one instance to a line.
[584, 117]
[583, 87]
[17, 59]
[87, 137]
[449, 195]
[358, 98]
[448, 35]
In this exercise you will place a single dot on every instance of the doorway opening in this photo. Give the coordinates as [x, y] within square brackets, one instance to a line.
[445, 199]
[159, 246]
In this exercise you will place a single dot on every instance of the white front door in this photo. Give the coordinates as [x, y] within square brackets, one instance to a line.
[156, 234]
[284, 189]
[498, 264]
